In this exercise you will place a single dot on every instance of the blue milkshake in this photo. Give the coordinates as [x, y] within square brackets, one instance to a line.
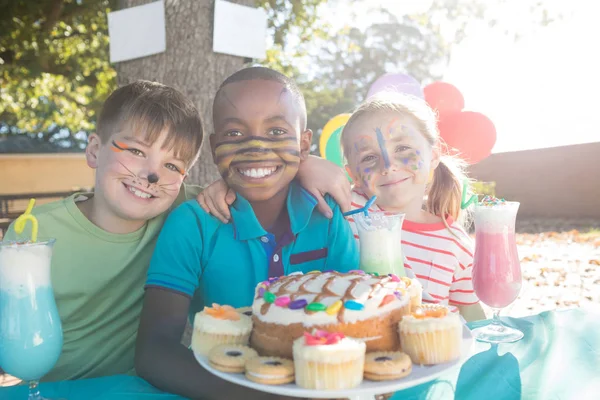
[30, 328]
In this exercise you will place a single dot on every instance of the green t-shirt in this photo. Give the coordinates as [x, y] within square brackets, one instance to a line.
[98, 280]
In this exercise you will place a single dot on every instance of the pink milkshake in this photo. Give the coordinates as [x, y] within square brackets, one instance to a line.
[497, 272]
[496, 268]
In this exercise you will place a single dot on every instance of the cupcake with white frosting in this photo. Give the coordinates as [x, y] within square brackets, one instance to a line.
[219, 325]
[414, 290]
[328, 361]
[431, 334]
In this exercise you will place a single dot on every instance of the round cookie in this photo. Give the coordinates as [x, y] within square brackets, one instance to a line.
[230, 357]
[245, 310]
[387, 365]
[270, 370]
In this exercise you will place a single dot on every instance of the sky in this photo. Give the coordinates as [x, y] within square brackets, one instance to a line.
[540, 91]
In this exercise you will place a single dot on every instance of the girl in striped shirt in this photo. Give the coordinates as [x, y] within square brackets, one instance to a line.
[392, 148]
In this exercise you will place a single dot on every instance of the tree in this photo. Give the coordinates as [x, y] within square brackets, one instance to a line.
[56, 74]
[190, 65]
[55, 71]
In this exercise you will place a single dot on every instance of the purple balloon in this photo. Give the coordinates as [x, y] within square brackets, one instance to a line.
[399, 83]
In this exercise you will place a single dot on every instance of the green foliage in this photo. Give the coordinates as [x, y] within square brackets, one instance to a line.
[484, 188]
[55, 70]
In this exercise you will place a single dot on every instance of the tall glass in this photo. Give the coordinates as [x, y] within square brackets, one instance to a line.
[30, 330]
[380, 236]
[496, 268]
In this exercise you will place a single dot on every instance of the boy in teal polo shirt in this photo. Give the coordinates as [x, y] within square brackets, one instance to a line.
[260, 139]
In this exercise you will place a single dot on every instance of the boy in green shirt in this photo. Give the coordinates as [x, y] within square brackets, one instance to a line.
[148, 136]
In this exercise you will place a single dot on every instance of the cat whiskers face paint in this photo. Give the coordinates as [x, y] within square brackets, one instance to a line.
[151, 182]
[252, 161]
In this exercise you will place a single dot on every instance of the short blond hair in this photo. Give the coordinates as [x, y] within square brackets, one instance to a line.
[150, 108]
[444, 194]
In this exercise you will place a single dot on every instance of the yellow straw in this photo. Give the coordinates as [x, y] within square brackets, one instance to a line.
[22, 220]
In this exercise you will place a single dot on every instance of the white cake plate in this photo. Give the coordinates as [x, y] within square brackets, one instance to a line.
[367, 390]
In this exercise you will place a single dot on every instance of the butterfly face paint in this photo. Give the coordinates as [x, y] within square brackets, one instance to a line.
[388, 157]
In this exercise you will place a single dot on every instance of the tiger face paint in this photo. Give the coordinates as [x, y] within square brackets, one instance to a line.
[258, 142]
[255, 161]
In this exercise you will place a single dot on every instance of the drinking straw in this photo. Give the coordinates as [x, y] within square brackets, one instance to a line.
[472, 199]
[369, 203]
[364, 209]
[22, 220]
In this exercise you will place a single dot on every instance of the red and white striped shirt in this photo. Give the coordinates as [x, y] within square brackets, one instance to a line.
[442, 260]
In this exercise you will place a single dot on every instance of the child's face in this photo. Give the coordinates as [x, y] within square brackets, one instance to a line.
[258, 142]
[388, 157]
[135, 180]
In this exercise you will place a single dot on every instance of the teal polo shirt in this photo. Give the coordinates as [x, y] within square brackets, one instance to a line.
[199, 256]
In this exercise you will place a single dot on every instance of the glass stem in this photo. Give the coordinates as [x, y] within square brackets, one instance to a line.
[34, 390]
[496, 320]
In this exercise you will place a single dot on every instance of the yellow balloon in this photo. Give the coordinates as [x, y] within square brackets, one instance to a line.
[330, 127]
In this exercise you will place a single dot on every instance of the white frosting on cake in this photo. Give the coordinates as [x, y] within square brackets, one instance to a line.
[345, 350]
[369, 291]
[410, 324]
[206, 323]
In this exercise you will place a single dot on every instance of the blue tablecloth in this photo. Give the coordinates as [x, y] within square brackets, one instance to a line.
[558, 359]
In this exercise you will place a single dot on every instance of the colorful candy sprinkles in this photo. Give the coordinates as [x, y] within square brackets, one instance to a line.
[490, 201]
[387, 299]
[269, 297]
[353, 305]
[316, 307]
[285, 301]
[282, 301]
[334, 308]
[297, 304]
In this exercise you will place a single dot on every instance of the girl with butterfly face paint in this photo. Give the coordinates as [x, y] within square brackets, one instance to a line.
[392, 150]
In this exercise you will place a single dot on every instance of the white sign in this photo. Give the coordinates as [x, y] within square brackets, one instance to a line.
[137, 32]
[240, 30]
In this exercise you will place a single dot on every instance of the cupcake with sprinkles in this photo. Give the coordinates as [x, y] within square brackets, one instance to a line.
[431, 334]
[219, 325]
[328, 361]
[362, 306]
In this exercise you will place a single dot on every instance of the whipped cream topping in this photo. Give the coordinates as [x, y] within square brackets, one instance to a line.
[411, 324]
[206, 323]
[23, 266]
[328, 288]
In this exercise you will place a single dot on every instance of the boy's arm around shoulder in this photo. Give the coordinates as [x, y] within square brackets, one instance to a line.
[342, 250]
[173, 276]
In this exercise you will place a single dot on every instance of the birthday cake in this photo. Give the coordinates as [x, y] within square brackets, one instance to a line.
[359, 305]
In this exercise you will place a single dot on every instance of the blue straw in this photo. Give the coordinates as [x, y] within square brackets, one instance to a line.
[364, 209]
[369, 203]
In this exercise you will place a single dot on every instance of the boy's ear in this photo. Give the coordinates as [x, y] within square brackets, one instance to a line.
[355, 181]
[305, 143]
[92, 150]
[212, 141]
